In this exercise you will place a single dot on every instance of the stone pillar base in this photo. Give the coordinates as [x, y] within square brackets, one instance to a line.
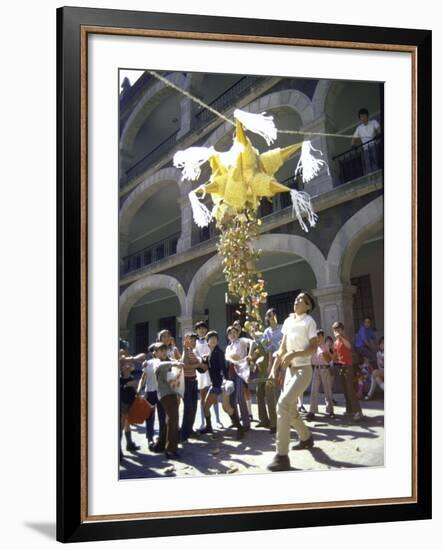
[335, 304]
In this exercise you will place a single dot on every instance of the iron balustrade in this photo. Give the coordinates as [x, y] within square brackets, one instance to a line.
[202, 117]
[360, 160]
[150, 255]
[140, 166]
[226, 99]
[204, 233]
[280, 200]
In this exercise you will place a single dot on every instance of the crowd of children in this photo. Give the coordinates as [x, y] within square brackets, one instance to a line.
[282, 361]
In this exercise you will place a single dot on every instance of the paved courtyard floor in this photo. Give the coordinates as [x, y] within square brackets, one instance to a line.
[339, 443]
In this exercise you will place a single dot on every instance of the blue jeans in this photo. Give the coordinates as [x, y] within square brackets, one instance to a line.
[190, 400]
[152, 397]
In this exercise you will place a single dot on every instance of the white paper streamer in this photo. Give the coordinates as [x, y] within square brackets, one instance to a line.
[259, 124]
[190, 161]
[308, 165]
[200, 212]
[301, 205]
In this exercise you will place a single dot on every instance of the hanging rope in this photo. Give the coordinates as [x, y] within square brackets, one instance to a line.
[229, 121]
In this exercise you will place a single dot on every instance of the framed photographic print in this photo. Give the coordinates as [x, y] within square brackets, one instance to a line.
[243, 219]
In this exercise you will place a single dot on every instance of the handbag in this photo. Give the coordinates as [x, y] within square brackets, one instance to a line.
[139, 411]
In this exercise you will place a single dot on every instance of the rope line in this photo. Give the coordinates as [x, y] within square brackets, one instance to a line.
[229, 121]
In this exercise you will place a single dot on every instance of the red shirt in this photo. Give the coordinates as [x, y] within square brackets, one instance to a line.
[344, 354]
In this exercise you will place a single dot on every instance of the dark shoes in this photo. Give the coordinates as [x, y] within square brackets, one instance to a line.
[262, 425]
[206, 430]
[301, 409]
[240, 433]
[307, 444]
[310, 416]
[273, 430]
[155, 448]
[174, 455]
[132, 447]
[279, 464]
[331, 415]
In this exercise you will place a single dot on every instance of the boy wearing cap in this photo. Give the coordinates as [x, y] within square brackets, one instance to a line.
[299, 343]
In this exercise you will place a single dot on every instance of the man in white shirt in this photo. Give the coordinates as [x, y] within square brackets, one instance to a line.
[365, 132]
[299, 343]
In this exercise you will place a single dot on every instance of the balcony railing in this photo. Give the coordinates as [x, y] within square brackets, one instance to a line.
[203, 117]
[359, 161]
[150, 255]
[140, 166]
[280, 200]
[226, 99]
[204, 234]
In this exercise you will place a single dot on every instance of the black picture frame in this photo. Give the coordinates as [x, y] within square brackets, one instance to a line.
[71, 523]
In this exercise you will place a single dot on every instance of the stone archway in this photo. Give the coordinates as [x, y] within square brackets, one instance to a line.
[319, 97]
[293, 244]
[362, 225]
[153, 96]
[136, 290]
[141, 194]
[293, 99]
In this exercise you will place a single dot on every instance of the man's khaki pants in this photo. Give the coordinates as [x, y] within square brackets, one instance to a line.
[297, 379]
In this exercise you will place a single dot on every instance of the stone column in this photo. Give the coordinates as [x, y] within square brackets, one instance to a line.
[185, 240]
[335, 304]
[323, 181]
[187, 113]
[187, 323]
[188, 107]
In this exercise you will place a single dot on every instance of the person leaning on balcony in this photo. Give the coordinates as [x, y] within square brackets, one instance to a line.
[343, 360]
[299, 343]
[367, 130]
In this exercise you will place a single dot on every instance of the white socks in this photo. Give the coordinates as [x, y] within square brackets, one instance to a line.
[249, 406]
